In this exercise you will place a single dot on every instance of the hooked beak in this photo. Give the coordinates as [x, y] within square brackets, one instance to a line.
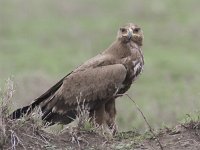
[130, 33]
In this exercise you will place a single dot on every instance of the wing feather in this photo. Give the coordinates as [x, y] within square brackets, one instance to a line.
[93, 84]
[49, 95]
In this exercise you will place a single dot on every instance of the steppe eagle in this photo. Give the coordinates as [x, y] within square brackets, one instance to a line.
[96, 83]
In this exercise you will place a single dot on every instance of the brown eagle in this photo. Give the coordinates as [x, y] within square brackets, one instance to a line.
[96, 83]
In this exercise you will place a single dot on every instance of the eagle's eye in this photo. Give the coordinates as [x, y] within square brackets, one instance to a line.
[123, 30]
[136, 30]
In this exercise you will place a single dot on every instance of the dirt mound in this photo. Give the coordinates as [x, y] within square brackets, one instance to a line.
[21, 134]
[27, 135]
[182, 137]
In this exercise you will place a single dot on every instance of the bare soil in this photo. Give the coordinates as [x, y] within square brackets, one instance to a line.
[26, 135]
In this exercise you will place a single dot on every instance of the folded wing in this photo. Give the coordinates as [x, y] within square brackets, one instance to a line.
[92, 86]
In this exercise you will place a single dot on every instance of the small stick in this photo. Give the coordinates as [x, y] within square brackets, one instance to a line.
[150, 128]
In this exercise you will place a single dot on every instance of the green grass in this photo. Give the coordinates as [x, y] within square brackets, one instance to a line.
[53, 37]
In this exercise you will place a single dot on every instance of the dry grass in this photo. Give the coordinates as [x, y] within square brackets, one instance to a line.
[5, 100]
[13, 132]
[28, 133]
[84, 122]
[83, 116]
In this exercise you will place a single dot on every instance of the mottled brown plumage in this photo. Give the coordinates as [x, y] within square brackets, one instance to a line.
[97, 82]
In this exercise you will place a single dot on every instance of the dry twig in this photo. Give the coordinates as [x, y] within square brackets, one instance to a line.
[150, 128]
[15, 140]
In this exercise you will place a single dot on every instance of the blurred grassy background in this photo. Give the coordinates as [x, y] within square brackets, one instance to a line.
[41, 41]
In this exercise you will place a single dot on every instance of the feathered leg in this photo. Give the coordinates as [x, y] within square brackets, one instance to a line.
[110, 110]
[98, 114]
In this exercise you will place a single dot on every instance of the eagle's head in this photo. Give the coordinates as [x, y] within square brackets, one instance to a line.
[130, 32]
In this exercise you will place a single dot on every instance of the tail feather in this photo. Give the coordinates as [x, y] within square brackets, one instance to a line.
[27, 109]
[22, 111]
[52, 117]
[48, 115]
